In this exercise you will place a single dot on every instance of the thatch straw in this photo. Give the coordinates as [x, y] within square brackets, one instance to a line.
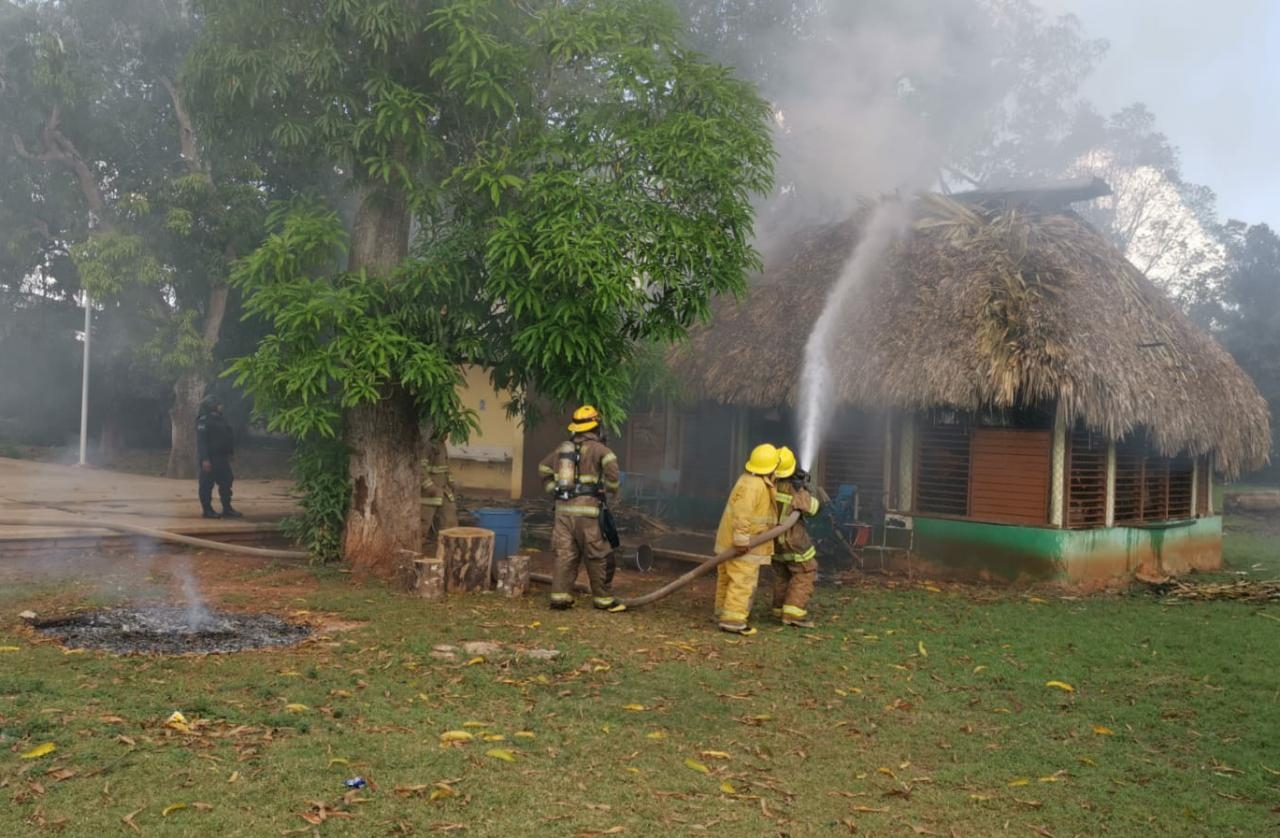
[989, 307]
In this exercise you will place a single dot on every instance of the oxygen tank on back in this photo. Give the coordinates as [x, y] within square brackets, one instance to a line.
[566, 470]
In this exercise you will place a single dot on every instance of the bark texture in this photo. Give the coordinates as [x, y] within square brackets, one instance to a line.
[383, 518]
[512, 576]
[467, 553]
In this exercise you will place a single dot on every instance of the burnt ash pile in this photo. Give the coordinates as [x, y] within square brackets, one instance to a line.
[171, 631]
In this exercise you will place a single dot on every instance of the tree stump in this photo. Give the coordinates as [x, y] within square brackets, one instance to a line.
[467, 555]
[513, 576]
[430, 577]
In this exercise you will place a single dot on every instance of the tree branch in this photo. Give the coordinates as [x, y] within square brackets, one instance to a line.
[186, 130]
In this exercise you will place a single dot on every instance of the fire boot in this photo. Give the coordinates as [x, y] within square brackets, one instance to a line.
[229, 512]
[209, 513]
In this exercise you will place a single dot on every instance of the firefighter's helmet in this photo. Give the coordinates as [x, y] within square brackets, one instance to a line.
[764, 460]
[585, 418]
[786, 462]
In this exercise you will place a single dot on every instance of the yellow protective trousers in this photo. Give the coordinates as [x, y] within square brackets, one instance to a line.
[736, 581]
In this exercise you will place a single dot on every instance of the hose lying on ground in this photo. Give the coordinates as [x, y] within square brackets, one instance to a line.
[701, 570]
[159, 535]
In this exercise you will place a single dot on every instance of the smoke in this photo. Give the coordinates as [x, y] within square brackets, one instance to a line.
[871, 103]
[873, 99]
[887, 222]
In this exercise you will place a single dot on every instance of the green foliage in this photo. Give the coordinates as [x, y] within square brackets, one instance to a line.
[320, 474]
[112, 260]
[338, 339]
[583, 184]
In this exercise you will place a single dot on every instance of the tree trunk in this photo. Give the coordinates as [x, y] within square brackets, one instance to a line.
[188, 390]
[383, 437]
[383, 519]
[467, 553]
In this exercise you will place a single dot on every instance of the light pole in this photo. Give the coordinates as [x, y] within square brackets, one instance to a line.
[84, 381]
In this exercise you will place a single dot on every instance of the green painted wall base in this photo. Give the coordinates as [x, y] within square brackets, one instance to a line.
[995, 552]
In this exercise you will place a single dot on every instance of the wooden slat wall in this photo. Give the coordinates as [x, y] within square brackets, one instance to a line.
[1129, 460]
[1150, 487]
[1086, 479]
[1011, 470]
[942, 469]
[1181, 473]
[854, 453]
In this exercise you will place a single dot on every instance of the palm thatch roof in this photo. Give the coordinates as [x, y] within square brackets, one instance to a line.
[988, 305]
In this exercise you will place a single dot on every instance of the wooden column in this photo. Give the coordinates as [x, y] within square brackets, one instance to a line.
[887, 499]
[907, 464]
[512, 575]
[1111, 483]
[1057, 472]
[467, 556]
[1208, 502]
[1195, 485]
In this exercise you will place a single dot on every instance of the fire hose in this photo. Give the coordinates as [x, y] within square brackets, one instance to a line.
[701, 570]
[159, 535]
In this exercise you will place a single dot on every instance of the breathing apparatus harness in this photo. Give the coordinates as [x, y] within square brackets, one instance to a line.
[569, 481]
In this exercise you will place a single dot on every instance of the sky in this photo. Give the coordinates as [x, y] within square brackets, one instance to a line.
[1210, 71]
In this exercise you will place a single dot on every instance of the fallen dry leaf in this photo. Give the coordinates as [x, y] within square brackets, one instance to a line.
[657, 734]
[39, 751]
[127, 820]
[339, 761]
[499, 753]
[635, 708]
[297, 708]
[714, 755]
[6, 649]
[525, 734]
[924, 653]
[1060, 685]
[455, 736]
[727, 788]
[1103, 731]
[1021, 781]
[171, 808]
[475, 724]
[694, 765]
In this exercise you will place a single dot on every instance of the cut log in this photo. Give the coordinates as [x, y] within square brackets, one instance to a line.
[467, 555]
[430, 575]
[513, 576]
[1265, 501]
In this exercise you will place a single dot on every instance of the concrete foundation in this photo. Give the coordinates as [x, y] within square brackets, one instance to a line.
[1004, 553]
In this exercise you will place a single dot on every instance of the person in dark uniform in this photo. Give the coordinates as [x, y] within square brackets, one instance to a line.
[215, 446]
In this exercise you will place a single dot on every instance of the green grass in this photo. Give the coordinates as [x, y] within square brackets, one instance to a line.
[908, 711]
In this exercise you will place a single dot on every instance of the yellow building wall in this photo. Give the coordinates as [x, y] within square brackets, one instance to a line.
[492, 461]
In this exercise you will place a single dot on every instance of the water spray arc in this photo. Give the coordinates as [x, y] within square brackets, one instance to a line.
[886, 223]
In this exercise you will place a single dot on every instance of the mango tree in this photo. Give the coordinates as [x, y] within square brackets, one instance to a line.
[533, 187]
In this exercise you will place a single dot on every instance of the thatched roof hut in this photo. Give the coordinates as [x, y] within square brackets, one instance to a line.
[989, 304]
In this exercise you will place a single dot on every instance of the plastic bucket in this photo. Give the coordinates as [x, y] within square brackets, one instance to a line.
[505, 524]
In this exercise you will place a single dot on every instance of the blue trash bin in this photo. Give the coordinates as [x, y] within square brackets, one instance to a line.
[505, 524]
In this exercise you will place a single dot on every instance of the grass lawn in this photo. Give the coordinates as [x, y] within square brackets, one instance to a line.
[911, 710]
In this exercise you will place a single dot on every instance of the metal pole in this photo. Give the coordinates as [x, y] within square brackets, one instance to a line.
[84, 383]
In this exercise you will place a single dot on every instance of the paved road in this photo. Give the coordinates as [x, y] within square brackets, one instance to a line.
[31, 490]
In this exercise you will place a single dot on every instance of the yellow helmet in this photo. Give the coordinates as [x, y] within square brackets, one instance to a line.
[764, 460]
[585, 418]
[786, 462]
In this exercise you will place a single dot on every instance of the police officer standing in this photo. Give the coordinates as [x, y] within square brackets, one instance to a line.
[215, 446]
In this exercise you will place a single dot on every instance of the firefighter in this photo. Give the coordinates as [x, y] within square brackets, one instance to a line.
[215, 446]
[795, 566]
[579, 473]
[750, 511]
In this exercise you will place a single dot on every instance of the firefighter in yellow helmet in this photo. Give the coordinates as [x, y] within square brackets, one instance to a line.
[795, 566]
[751, 510]
[579, 473]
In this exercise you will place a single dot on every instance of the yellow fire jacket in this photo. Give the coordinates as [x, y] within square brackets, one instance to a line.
[749, 512]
